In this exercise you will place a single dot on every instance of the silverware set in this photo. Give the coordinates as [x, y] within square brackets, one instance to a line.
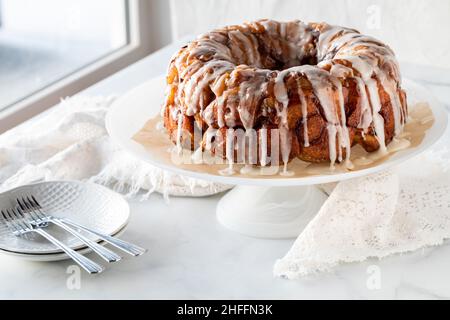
[30, 217]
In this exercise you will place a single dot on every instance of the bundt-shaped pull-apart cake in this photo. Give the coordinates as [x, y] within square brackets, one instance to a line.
[291, 89]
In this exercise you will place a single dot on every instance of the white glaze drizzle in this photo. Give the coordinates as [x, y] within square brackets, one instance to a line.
[366, 111]
[334, 43]
[304, 108]
[281, 95]
[263, 147]
[322, 82]
[179, 132]
[229, 153]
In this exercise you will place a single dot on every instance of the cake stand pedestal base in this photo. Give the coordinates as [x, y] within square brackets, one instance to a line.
[269, 212]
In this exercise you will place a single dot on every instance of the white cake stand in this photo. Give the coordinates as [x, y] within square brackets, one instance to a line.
[260, 207]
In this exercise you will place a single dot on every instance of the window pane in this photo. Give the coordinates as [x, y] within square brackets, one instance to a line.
[43, 41]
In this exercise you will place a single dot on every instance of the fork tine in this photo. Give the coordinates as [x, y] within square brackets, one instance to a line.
[27, 209]
[20, 204]
[7, 219]
[12, 220]
[19, 218]
[33, 206]
[36, 205]
[23, 208]
[4, 215]
[10, 223]
[11, 216]
[8, 216]
[36, 202]
[16, 223]
[23, 205]
[14, 215]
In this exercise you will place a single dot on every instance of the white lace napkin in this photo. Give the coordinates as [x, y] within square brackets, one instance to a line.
[71, 143]
[391, 212]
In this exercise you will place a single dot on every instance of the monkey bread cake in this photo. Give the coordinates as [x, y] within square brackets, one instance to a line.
[312, 88]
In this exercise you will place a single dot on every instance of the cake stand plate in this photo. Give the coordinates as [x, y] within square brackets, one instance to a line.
[275, 207]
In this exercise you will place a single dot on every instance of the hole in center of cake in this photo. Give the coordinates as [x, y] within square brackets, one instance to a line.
[278, 65]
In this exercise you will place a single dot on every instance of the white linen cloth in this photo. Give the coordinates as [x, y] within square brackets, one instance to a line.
[71, 143]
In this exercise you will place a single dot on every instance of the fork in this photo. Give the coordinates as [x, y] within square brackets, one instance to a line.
[20, 227]
[127, 247]
[42, 221]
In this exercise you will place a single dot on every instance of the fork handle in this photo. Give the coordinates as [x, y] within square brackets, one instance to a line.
[103, 252]
[87, 264]
[130, 248]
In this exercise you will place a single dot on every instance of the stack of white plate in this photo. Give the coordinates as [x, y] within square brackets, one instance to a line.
[88, 204]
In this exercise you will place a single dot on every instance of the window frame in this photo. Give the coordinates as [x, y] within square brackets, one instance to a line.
[139, 45]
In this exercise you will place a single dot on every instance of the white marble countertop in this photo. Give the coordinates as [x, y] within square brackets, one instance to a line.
[193, 257]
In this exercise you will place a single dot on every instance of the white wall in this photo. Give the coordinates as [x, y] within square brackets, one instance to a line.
[160, 23]
[417, 30]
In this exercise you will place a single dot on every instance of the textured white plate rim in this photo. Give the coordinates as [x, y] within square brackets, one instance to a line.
[130, 112]
[117, 229]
